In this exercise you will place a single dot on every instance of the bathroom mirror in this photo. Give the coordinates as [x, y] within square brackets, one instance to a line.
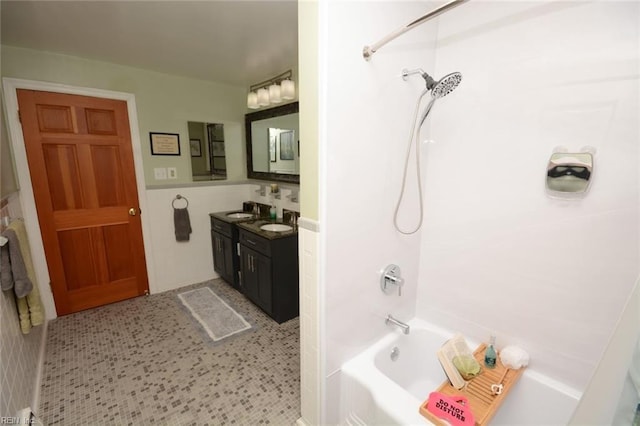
[206, 147]
[273, 144]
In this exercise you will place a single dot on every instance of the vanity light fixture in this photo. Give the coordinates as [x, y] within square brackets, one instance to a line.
[272, 91]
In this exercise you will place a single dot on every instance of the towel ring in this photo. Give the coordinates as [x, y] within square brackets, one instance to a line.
[179, 197]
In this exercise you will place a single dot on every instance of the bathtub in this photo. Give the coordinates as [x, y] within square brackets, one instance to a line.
[376, 390]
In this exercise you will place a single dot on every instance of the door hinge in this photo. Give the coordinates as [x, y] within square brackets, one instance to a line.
[19, 116]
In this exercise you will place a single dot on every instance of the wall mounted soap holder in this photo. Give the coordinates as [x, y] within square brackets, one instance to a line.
[569, 174]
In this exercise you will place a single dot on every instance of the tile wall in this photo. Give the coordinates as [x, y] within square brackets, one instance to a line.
[310, 323]
[19, 356]
[19, 353]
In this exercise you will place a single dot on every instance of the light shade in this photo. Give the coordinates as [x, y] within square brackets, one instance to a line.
[252, 100]
[263, 97]
[274, 94]
[288, 89]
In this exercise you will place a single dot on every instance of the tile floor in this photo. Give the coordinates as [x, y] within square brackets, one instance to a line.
[143, 361]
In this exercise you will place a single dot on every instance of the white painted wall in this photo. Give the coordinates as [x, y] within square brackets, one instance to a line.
[365, 114]
[496, 253]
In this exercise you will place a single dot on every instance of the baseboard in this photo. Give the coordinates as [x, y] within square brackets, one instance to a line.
[301, 422]
[35, 403]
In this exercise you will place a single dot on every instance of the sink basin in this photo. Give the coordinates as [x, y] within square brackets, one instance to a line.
[276, 227]
[239, 215]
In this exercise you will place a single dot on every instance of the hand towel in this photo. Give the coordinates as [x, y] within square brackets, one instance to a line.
[18, 273]
[182, 224]
[6, 277]
[20, 283]
[30, 307]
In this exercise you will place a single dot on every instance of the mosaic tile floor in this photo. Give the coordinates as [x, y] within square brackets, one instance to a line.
[143, 362]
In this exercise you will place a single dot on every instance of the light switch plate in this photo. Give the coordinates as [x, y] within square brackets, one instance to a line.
[172, 172]
[160, 173]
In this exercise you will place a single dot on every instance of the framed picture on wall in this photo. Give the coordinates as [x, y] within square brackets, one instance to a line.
[286, 145]
[272, 149]
[196, 147]
[164, 143]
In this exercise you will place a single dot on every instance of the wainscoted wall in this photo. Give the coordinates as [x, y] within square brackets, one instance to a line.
[19, 353]
[176, 264]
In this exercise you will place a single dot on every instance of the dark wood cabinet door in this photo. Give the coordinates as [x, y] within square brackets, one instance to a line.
[249, 278]
[256, 277]
[227, 258]
[262, 266]
[223, 256]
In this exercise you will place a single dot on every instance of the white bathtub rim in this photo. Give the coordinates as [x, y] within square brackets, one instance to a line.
[387, 394]
[370, 353]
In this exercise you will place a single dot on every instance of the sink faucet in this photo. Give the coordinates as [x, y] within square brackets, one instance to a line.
[391, 320]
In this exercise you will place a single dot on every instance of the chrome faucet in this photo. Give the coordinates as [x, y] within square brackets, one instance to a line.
[391, 320]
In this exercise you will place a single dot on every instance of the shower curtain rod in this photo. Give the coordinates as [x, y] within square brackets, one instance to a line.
[368, 51]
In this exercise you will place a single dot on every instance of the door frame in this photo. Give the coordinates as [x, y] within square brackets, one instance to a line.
[25, 187]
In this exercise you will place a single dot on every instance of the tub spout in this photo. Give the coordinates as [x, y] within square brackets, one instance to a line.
[391, 320]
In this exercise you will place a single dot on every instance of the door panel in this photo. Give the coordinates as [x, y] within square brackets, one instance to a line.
[81, 165]
[61, 166]
[107, 175]
[77, 258]
[119, 256]
[55, 119]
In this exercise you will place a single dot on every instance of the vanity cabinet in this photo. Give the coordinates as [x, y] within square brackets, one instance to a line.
[269, 273]
[224, 240]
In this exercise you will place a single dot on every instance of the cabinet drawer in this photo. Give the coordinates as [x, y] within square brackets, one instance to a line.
[255, 242]
[221, 227]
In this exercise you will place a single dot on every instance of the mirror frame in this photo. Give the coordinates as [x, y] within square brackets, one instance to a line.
[263, 115]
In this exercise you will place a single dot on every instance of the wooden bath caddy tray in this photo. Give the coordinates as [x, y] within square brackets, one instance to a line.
[481, 400]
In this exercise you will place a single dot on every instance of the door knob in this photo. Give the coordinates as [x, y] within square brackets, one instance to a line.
[132, 211]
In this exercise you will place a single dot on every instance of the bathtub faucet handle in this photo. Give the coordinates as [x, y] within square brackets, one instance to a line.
[391, 277]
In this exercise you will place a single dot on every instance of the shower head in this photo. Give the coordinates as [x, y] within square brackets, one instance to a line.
[446, 85]
[439, 89]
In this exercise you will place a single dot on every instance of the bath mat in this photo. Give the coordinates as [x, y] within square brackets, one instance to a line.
[214, 315]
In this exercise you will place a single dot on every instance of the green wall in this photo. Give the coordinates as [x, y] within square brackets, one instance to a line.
[165, 103]
[309, 128]
[8, 184]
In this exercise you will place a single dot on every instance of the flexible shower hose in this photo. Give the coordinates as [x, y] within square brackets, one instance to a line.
[413, 132]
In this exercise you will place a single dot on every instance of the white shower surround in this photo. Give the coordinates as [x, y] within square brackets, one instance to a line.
[549, 275]
[495, 253]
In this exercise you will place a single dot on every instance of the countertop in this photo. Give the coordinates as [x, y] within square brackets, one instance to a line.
[253, 225]
[223, 216]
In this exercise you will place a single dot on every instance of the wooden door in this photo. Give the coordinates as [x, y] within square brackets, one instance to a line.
[81, 165]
